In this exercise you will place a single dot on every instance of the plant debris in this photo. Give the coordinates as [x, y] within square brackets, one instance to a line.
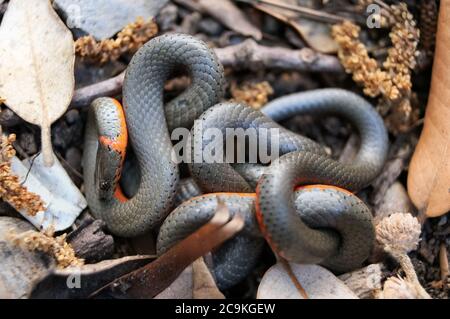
[400, 234]
[269, 49]
[129, 40]
[254, 94]
[393, 81]
[11, 190]
[54, 246]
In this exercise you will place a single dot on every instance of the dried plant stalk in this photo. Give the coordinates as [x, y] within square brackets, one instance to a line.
[255, 95]
[129, 40]
[392, 80]
[11, 190]
[54, 246]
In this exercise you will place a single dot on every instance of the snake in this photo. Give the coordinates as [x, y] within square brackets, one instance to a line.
[142, 120]
[303, 203]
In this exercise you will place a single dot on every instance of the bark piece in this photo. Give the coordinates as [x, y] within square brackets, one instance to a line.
[90, 242]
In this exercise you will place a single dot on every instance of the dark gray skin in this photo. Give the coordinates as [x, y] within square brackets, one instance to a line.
[148, 129]
[149, 122]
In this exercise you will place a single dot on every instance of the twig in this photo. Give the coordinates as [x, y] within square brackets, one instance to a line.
[70, 167]
[246, 55]
[86, 95]
[251, 55]
[308, 12]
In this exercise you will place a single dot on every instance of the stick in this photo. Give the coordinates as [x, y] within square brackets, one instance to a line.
[246, 55]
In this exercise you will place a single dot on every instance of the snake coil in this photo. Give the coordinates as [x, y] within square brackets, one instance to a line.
[301, 203]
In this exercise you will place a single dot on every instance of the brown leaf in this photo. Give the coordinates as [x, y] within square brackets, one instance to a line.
[195, 282]
[316, 34]
[227, 13]
[429, 171]
[36, 65]
[153, 278]
[181, 288]
[204, 286]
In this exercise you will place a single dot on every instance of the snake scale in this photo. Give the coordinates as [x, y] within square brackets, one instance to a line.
[302, 203]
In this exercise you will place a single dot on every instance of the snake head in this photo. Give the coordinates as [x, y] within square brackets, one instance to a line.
[107, 171]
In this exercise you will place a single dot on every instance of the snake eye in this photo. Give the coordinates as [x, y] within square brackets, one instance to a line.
[104, 185]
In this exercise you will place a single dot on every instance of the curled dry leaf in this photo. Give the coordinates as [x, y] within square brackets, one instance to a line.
[429, 171]
[36, 65]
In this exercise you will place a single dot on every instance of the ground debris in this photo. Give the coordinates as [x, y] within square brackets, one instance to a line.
[129, 40]
[255, 95]
[11, 189]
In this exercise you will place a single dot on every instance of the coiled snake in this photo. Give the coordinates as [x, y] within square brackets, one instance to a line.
[324, 223]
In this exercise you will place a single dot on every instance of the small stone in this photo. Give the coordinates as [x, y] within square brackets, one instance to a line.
[317, 282]
[442, 221]
[210, 27]
[104, 18]
[28, 143]
[8, 118]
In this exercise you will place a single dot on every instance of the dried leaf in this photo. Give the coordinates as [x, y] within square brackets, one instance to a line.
[63, 200]
[316, 34]
[181, 288]
[227, 13]
[36, 65]
[204, 286]
[429, 171]
[195, 282]
[153, 278]
[317, 282]
[60, 283]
